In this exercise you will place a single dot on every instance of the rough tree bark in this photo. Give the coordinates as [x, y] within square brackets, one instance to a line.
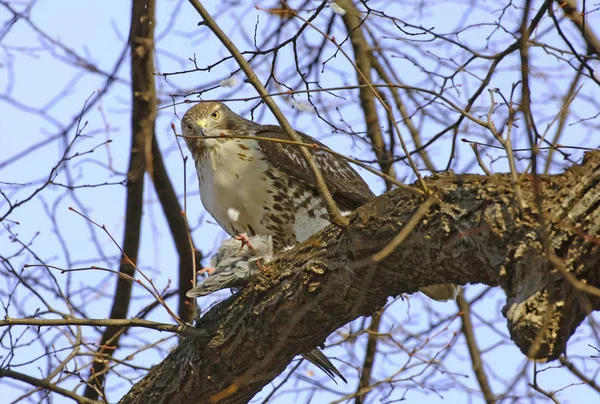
[473, 233]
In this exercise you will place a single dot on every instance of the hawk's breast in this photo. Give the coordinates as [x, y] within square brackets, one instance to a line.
[232, 175]
[235, 174]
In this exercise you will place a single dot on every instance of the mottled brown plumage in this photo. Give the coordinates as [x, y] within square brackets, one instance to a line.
[347, 187]
[268, 182]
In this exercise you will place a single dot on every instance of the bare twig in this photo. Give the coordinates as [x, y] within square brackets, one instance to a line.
[133, 322]
[479, 160]
[474, 352]
[386, 177]
[571, 366]
[179, 231]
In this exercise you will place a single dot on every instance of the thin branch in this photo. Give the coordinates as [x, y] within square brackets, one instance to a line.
[387, 178]
[569, 7]
[133, 322]
[406, 118]
[569, 365]
[550, 395]
[367, 368]
[474, 352]
[479, 160]
[362, 61]
[46, 385]
[179, 231]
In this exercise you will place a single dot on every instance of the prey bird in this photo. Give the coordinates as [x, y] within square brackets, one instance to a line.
[234, 264]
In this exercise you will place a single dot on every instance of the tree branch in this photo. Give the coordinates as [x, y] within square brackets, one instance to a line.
[370, 352]
[475, 233]
[46, 385]
[133, 322]
[353, 21]
[179, 231]
[474, 352]
[569, 7]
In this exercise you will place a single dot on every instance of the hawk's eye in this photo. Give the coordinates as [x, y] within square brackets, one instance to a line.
[216, 115]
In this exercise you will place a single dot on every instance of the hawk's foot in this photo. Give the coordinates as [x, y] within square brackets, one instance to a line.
[209, 270]
[262, 268]
[245, 242]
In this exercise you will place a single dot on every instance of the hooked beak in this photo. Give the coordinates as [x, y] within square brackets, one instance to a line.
[201, 124]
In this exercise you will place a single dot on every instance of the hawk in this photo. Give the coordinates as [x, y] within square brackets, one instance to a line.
[269, 183]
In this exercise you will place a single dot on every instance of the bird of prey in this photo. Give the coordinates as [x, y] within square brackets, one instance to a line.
[234, 265]
[269, 183]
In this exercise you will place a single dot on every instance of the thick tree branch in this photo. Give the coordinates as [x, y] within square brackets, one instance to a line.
[474, 234]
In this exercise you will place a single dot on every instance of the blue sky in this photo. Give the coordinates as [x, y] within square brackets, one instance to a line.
[39, 75]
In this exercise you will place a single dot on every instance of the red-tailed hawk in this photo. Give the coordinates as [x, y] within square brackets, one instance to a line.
[269, 183]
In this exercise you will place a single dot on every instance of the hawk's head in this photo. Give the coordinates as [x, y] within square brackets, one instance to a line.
[211, 118]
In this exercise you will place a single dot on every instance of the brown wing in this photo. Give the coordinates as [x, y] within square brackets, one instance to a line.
[347, 187]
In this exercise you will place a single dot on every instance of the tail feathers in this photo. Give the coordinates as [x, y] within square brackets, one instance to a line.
[318, 358]
[441, 293]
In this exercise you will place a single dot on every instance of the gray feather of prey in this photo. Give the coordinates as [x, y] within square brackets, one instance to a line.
[234, 264]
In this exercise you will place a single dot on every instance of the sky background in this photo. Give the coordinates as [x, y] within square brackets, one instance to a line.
[44, 86]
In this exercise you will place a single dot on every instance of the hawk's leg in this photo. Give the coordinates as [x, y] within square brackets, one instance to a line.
[208, 270]
[246, 242]
[261, 267]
